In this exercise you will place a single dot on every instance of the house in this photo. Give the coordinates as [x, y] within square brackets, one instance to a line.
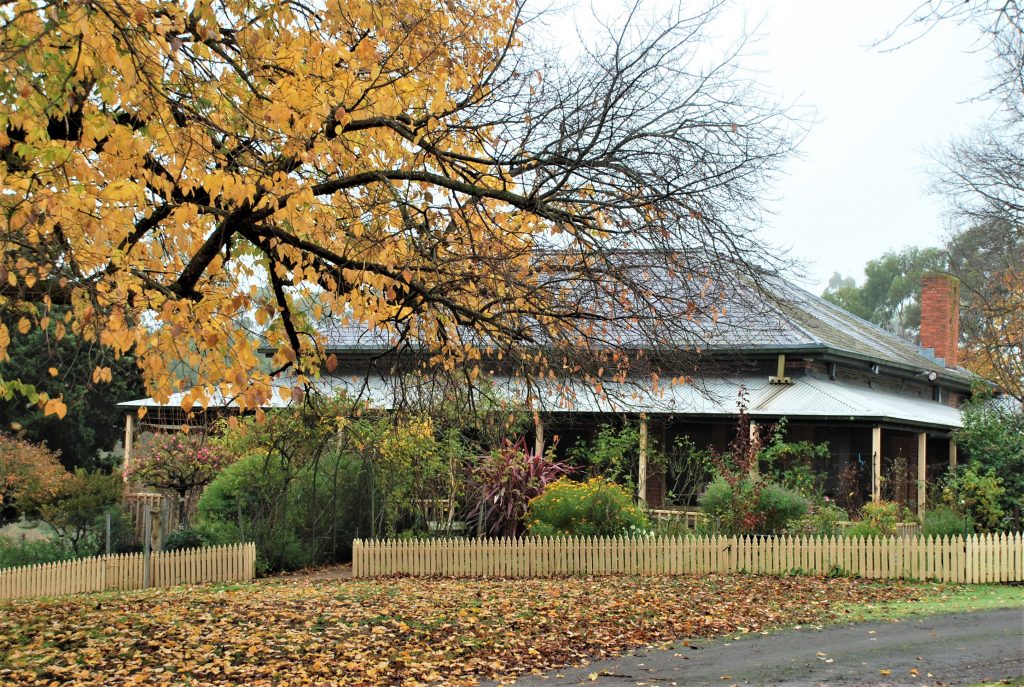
[871, 395]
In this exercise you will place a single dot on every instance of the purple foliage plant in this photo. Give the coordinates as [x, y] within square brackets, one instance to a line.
[504, 481]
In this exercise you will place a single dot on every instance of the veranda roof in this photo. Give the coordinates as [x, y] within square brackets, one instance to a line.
[805, 397]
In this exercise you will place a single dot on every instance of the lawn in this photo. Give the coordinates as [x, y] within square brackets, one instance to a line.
[405, 631]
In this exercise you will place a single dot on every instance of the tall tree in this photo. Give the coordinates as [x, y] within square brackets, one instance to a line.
[891, 293]
[417, 167]
[989, 261]
[982, 177]
[65, 369]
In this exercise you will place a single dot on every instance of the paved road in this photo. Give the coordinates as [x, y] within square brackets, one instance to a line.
[959, 649]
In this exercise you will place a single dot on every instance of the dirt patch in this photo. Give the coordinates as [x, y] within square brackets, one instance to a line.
[327, 572]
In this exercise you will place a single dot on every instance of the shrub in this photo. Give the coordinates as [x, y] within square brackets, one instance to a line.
[504, 483]
[290, 487]
[260, 489]
[410, 469]
[992, 437]
[671, 527]
[751, 506]
[596, 507]
[78, 510]
[29, 474]
[943, 521]
[820, 521]
[307, 480]
[848, 491]
[198, 536]
[14, 554]
[614, 453]
[978, 493]
[687, 470]
[878, 519]
[790, 464]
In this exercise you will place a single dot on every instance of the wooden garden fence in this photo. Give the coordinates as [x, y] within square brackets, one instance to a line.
[229, 563]
[976, 558]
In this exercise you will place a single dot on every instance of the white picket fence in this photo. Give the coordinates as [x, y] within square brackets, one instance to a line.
[125, 572]
[976, 558]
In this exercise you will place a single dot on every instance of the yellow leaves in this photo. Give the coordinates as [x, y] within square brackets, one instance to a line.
[122, 191]
[101, 375]
[263, 315]
[253, 136]
[55, 406]
[398, 631]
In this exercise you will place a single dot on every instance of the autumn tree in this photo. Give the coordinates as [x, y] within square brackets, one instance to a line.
[30, 474]
[982, 177]
[989, 261]
[419, 168]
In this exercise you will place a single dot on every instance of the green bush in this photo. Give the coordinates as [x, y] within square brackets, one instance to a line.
[14, 554]
[820, 521]
[614, 453]
[264, 492]
[306, 481]
[596, 507]
[977, 492]
[750, 506]
[200, 535]
[77, 513]
[878, 519]
[671, 527]
[992, 438]
[943, 521]
[790, 464]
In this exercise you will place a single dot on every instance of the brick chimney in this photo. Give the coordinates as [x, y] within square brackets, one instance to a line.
[940, 316]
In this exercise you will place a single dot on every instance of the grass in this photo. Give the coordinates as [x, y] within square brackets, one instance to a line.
[935, 599]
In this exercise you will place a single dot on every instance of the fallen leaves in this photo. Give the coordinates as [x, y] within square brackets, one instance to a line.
[405, 632]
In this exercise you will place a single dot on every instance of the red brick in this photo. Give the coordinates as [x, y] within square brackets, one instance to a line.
[940, 316]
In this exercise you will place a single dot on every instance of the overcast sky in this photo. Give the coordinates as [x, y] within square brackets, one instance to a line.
[860, 187]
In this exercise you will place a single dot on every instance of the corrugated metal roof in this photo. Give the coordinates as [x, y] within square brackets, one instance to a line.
[806, 397]
[809, 397]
